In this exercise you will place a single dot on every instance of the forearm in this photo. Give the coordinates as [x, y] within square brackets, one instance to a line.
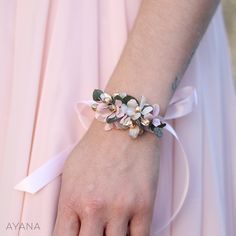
[159, 48]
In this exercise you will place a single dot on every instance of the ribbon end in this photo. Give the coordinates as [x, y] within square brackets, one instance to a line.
[20, 187]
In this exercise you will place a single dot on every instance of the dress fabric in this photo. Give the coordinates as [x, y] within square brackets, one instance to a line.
[54, 53]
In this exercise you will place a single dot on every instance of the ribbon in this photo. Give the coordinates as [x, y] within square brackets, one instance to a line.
[181, 104]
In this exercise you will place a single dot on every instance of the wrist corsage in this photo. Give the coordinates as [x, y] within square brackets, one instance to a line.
[123, 111]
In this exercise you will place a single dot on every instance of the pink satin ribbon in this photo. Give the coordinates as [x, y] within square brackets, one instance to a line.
[182, 103]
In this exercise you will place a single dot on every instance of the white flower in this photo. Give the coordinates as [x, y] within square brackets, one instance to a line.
[133, 110]
[145, 107]
[121, 108]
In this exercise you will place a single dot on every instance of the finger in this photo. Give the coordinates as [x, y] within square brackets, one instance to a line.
[117, 227]
[92, 227]
[140, 225]
[67, 222]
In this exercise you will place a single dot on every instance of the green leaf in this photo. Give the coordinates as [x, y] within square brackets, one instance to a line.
[158, 132]
[162, 125]
[96, 94]
[118, 97]
[111, 119]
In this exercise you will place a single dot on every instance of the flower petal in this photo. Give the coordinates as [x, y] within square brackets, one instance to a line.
[156, 109]
[136, 116]
[118, 102]
[132, 103]
[143, 101]
[123, 119]
[120, 114]
[122, 94]
[123, 108]
[156, 122]
[147, 110]
[118, 125]
[101, 106]
[126, 121]
[102, 95]
[133, 132]
[130, 111]
[112, 115]
[148, 116]
[108, 126]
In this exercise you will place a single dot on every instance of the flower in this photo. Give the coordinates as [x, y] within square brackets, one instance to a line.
[154, 116]
[102, 112]
[133, 109]
[121, 108]
[138, 111]
[145, 107]
[112, 112]
[122, 111]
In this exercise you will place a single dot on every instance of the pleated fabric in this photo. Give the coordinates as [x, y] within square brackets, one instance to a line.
[54, 53]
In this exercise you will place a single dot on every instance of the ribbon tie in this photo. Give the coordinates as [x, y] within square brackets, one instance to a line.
[181, 104]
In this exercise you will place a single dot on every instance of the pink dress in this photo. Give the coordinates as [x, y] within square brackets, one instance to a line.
[54, 53]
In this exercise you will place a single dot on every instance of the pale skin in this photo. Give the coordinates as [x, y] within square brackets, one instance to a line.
[109, 180]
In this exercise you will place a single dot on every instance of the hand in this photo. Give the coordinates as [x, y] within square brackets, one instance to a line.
[108, 185]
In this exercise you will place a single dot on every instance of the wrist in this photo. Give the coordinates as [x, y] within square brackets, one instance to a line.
[137, 88]
[118, 136]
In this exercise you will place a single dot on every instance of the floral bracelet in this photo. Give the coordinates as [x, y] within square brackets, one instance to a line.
[123, 111]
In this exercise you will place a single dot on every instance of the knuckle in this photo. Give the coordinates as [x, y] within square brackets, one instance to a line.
[68, 204]
[121, 205]
[69, 201]
[65, 211]
[91, 206]
[119, 209]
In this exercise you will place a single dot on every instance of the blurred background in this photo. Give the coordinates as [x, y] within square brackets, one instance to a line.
[229, 8]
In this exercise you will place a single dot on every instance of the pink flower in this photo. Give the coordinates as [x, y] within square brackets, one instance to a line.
[121, 108]
[154, 116]
[145, 107]
[102, 112]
